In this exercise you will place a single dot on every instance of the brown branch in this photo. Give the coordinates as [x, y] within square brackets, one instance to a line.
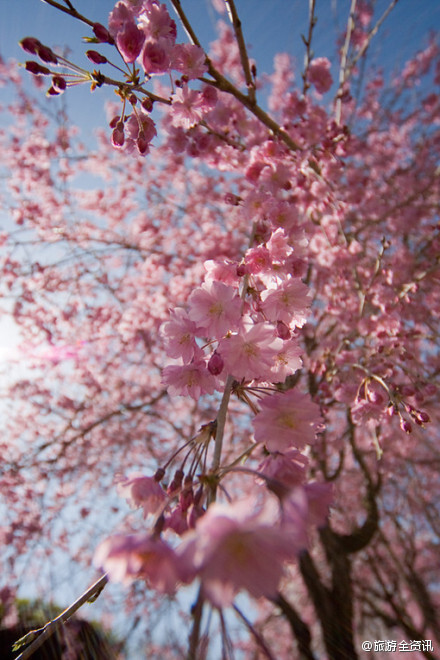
[71, 11]
[308, 42]
[236, 23]
[299, 628]
[344, 56]
[370, 36]
[224, 85]
[361, 537]
[185, 22]
[48, 630]
[258, 637]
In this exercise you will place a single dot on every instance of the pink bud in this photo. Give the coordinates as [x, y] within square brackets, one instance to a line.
[96, 57]
[102, 34]
[59, 84]
[36, 69]
[45, 54]
[118, 136]
[142, 144]
[176, 482]
[232, 199]
[423, 417]
[147, 104]
[405, 426]
[215, 364]
[30, 45]
[115, 121]
[159, 475]
[283, 330]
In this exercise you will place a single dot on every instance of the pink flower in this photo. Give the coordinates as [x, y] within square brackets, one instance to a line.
[189, 60]
[157, 23]
[319, 74]
[130, 40]
[155, 57]
[287, 470]
[187, 109]
[251, 353]
[140, 132]
[129, 557]
[141, 491]
[119, 16]
[287, 419]
[236, 547]
[279, 246]
[179, 334]
[188, 380]
[288, 360]
[222, 271]
[209, 97]
[258, 259]
[289, 302]
[215, 308]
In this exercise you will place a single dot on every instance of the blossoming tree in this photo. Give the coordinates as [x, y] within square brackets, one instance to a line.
[232, 314]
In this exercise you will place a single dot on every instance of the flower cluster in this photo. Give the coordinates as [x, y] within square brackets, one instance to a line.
[144, 34]
[240, 322]
[248, 314]
[230, 547]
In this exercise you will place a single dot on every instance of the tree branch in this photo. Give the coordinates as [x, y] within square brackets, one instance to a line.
[48, 630]
[250, 84]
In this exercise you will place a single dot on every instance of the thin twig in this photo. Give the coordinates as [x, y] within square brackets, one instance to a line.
[308, 42]
[236, 23]
[224, 85]
[221, 83]
[194, 636]
[48, 630]
[258, 637]
[344, 56]
[185, 22]
[367, 42]
[70, 10]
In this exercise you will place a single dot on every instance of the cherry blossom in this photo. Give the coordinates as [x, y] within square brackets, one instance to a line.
[286, 419]
[238, 295]
[126, 558]
[188, 380]
[250, 353]
[215, 308]
[235, 547]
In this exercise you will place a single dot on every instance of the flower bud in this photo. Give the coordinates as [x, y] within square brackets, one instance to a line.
[59, 84]
[45, 54]
[215, 364]
[36, 69]
[159, 474]
[118, 136]
[102, 34]
[96, 57]
[115, 121]
[142, 144]
[232, 199]
[405, 426]
[176, 482]
[241, 270]
[52, 92]
[30, 45]
[147, 104]
[283, 330]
